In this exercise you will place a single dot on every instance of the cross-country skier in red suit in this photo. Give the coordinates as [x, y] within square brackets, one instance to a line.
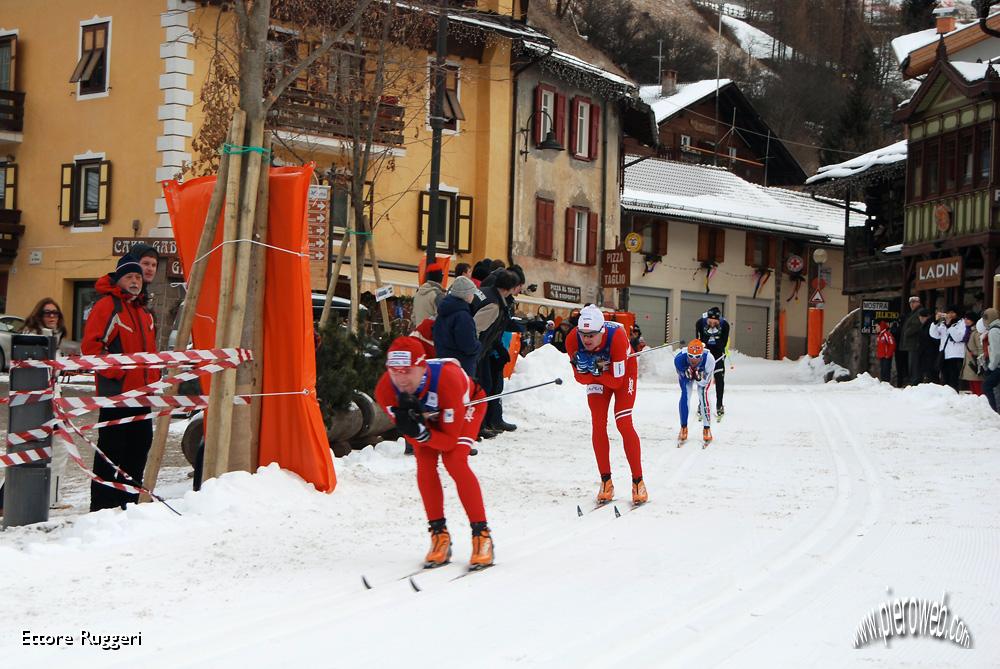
[426, 400]
[599, 353]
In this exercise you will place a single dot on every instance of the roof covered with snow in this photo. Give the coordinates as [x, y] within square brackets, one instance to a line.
[686, 95]
[715, 195]
[971, 72]
[582, 66]
[886, 155]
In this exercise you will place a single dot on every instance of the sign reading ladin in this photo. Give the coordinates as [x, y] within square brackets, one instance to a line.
[940, 273]
[615, 269]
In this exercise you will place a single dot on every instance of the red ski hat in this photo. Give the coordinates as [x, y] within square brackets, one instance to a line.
[405, 352]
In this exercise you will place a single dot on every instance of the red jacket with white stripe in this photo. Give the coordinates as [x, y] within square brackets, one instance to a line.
[619, 365]
[118, 323]
[885, 345]
[454, 389]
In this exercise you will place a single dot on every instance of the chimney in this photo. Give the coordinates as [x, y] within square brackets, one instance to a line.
[668, 83]
[945, 15]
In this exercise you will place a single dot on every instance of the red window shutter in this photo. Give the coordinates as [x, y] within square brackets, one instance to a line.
[592, 238]
[595, 124]
[574, 111]
[751, 243]
[561, 118]
[550, 211]
[661, 238]
[570, 237]
[543, 228]
[538, 115]
[719, 245]
[772, 253]
[704, 244]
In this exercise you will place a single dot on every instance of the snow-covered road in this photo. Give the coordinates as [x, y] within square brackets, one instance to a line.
[766, 549]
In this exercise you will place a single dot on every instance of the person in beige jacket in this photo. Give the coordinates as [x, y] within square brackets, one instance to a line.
[972, 370]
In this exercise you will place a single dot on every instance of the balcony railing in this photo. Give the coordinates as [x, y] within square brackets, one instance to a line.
[319, 114]
[11, 111]
[10, 233]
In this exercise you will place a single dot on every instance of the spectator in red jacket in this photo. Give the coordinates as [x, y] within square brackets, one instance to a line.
[425, 333]
[118, 323]
[885, 349]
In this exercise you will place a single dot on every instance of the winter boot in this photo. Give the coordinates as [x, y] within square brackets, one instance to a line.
[720, 412]
[482, 547]
[440, 552]
[706, 435]
[682, 435]
[607, 491]
[699, 413]
[503, 426]
[639, 495]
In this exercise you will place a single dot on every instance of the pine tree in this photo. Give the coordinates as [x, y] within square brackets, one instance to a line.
[917, 15]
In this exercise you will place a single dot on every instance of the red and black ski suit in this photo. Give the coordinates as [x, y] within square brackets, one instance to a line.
[119, 323]
[611, 373]
[446, 388]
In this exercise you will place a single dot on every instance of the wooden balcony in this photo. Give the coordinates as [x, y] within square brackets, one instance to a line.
[11, 112]
[971, 213]
[320, 115]
[10, 233]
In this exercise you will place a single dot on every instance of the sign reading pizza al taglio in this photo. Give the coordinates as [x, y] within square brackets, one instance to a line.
[939, 273]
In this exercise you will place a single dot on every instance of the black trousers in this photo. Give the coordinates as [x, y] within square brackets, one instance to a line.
[719, 381]
[885, 369]
[127, 446]
[951, 372]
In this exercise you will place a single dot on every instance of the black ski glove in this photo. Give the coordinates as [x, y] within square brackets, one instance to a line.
[410, 417]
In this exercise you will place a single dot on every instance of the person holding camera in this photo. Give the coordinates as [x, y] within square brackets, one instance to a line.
[951, 333]
[972, 370]
[427, 400]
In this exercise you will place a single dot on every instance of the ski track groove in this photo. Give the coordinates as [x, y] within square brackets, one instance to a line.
[837, 522]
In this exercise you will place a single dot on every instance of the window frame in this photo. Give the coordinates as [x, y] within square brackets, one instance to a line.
[580, 219]
[82, 91]
[71, 196]
[454, 219]
[80, 177]
[452, 127]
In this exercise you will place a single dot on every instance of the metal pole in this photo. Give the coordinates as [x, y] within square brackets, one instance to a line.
[718, 74]
[26, 487]
[437, 123]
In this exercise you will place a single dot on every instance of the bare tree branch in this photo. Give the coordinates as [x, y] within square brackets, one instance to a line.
[318, 52]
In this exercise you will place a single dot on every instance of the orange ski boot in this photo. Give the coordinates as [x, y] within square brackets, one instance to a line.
[706, 436]
[639, 494]
[482, 547]
[682, 436]
[440, 552]
[607, 491]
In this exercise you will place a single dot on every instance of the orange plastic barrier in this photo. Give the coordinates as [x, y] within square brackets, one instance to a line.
[443, 260]
[626, 318]
[782, 335]
[292, 432]
[815, 334]
[515, 352]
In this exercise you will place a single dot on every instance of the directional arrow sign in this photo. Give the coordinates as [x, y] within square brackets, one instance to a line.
[317, 255]
[317, 218]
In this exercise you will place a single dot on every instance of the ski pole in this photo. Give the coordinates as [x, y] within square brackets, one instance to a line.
[556, 381]
[653, 348]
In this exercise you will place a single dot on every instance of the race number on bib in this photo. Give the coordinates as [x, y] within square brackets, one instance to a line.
[595, 389]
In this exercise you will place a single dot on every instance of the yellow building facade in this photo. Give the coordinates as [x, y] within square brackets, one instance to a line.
[86, 164]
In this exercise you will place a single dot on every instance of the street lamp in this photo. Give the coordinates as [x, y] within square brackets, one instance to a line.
[550, 143]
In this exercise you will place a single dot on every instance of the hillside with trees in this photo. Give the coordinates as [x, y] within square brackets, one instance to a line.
[822, 74]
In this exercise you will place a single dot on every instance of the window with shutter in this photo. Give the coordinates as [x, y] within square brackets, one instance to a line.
[561, 119]
[570, 236]
[592, 238]
[581, 129]
[711, 244]
[446, 230]
[452, 110]
[8, 63]
[544, 210]
[8, 186]
[67, 213]
[423, 219]
[91, 71]
[595, 125]
[463, 224]
[545, 111]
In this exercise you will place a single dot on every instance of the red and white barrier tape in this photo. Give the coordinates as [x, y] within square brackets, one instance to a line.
[24, 457]
[136, 360]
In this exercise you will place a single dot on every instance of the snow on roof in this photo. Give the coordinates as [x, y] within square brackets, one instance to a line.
[904, 45]
[582, 65]
[884, 156]
[971, 72]
[756, 42]
[686, 95]
[715, 195]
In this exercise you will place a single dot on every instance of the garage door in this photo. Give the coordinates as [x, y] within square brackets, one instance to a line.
[651, 312]
[750, 330]
[693, 305]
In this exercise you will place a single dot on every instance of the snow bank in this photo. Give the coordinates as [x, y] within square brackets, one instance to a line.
[537, 408]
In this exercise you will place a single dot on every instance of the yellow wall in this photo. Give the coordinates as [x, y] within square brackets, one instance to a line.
[123, 125]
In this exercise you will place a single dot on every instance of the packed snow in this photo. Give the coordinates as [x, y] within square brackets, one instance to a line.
[766, 549]
[757, 43]
[886, 155]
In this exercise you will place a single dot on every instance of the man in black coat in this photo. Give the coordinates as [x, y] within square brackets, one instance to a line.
[492, 315]
[454, 330]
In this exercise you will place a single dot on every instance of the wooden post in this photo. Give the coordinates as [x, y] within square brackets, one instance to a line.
[190, 307]
[356, 273]
[384, 304]
[238, 456]
[246, 419]
[217, 431]
[334, 277]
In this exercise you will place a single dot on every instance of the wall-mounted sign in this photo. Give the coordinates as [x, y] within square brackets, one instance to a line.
[633, 242]
[35, 258]
[873, 311]
[940, 273]
[165, 246]
[616, 269]
[942, 217]
[795, 264]
[175, 270]
[383, 293]
[319, 235]
[560, 291]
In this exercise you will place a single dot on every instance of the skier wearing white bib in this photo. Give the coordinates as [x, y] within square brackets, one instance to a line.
[695, 369]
